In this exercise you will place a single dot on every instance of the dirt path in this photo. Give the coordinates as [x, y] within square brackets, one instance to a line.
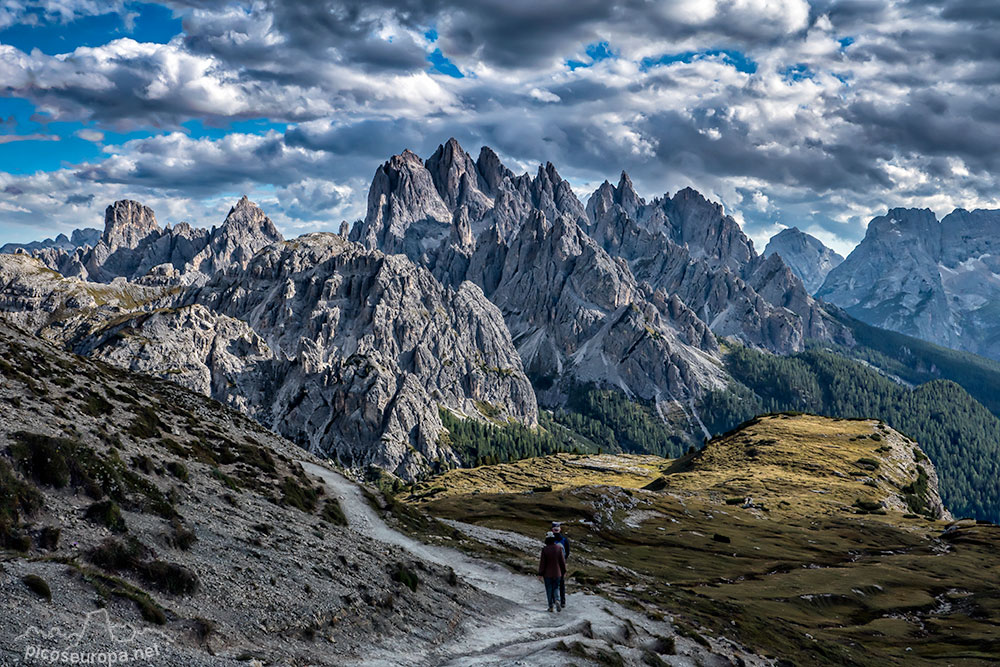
[522, 632]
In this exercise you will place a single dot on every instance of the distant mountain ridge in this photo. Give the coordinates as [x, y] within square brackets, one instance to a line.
[78, 238]
[936, 280]
[133, 246]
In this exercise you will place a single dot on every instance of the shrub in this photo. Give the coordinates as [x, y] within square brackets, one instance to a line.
[297, 495]
[665, 645]
[178, 470]
[865, 462]
[146, 424]
[107, 513]
[38, 586]
[96, 406]
[113, 554]
[143, 463]
[180, 536]
[405, 576]
[43, 458]
[17, 500]
[867, 505]
[48, 538]
[169, 577]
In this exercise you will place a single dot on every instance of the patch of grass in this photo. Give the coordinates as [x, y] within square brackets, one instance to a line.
[169, 577]
[180, 536]
[48, 538]
[178, 470]
[118, 555]
[297, 495]
[868, 463]
[146, 424]
[333, 513]
[229, 482]
[95, 405]
[132, 556]
[107, 513]
[18, 500]
[108, 586]
[867, 505]
[38, 586]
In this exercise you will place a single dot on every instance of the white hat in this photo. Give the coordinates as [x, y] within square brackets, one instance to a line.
[549, 534]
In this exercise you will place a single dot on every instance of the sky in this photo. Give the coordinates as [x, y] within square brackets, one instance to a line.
[818, 114]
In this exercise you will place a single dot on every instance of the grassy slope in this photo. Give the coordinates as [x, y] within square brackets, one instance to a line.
[804, 578]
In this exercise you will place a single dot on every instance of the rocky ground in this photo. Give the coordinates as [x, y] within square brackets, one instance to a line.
[187, 521]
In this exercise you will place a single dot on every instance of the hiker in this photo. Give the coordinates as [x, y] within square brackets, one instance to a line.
[562, 541]
[552, 568]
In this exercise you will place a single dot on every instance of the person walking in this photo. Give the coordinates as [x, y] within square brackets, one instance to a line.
[551, 569]
[562, 541]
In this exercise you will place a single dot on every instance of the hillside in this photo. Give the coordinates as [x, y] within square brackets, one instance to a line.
[187, 520]
[959, 435]
[826, 564]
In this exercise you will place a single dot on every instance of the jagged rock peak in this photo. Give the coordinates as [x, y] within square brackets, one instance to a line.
[127, 223]
[246, 213]
[626, 196]
[492, 170]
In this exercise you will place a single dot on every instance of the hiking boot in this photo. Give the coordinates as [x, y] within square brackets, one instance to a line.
[558, 608]
[563, 603]
[550, 609]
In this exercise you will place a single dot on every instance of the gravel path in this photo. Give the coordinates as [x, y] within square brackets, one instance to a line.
[519, 630]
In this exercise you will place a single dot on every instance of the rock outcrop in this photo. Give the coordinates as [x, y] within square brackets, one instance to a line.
[805, 255]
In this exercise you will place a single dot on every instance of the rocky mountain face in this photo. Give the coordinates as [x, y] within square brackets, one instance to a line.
[560, 271]
[134, 247]
[936, 280]
[347, 351]
[805, 255]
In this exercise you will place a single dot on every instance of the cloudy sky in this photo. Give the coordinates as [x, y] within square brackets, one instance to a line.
[817, 114]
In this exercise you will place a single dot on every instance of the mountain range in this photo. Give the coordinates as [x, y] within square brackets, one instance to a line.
[469, 292]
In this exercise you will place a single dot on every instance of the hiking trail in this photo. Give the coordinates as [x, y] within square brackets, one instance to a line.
[521, 632]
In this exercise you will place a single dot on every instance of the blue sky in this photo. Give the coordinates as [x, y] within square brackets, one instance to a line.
[819, 114]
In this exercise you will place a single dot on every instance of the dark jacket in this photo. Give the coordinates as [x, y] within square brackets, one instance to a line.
[553, 561]
[561, 539]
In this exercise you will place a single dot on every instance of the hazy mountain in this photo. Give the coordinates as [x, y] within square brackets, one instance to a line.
[936, 280]
[805, 255]
[79, 238]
